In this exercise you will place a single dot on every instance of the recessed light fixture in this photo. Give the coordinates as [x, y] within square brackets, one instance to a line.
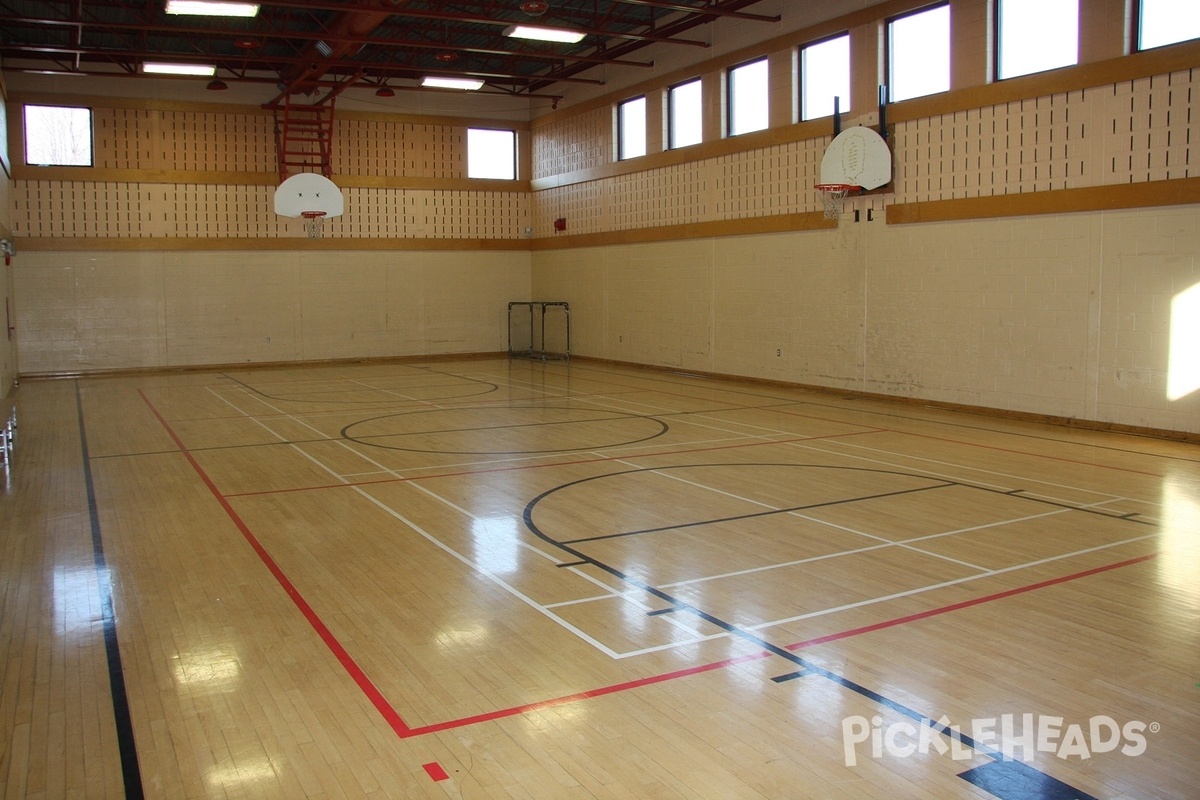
[212, 8]
[158, 68]
[468, 84]
[544, 34]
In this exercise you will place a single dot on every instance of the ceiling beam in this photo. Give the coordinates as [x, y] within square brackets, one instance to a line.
[316, 36]
[710, 10]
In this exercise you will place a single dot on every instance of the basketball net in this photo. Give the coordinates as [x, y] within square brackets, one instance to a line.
[832, 195]
[313, 222]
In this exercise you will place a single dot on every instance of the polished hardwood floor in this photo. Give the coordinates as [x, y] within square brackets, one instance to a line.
[505, 578]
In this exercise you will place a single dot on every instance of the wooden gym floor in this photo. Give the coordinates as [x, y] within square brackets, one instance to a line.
[505, 578]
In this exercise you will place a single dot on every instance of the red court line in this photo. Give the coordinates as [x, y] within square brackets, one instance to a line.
[404, 731]
[489, 716]
[933, 612]
[348, 663]
[600, 692]
[576, 462]
[435, 771]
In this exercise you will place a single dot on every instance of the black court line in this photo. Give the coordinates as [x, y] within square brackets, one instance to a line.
[805, 666]
[754, 515]
[1027, 776]
[131, 772]
[489, 388]
[614, 416]
[490, 405]
[941, 483]
[819, 393]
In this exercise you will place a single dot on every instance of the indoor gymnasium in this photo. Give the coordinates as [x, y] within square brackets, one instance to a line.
[600, 399]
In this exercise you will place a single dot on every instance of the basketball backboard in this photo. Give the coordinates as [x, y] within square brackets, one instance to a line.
[308, 191]
[857, 156]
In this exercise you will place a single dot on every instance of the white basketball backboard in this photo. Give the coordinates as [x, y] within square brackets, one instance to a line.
[308, 191]
[857, 156]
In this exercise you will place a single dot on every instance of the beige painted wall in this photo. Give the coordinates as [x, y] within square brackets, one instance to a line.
[8, 345]
[1067, 315]
[1062, 314]
[108, 310]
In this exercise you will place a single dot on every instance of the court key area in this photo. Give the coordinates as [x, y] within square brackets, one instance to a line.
[511, 578]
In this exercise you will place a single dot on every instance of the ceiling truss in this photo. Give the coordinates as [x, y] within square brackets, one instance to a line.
[316, 49]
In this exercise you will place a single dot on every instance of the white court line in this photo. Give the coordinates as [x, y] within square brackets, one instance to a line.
[876, 429]
[907, 592]
[967, 579]
[884, 543]
[629, 596]
[905, 545]
[1021, 478]
[889, 543]
[689, 417]
[429, 537]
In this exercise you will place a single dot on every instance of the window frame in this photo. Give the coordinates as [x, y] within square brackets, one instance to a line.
[729, 95]
[91, 135]
[1138, 15]
[671, 128]
[844, 102]
[622, 151]
[515, 160]
[890, 54]
[998, 50]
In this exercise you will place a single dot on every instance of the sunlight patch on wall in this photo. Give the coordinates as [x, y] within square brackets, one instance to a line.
[1183, 370]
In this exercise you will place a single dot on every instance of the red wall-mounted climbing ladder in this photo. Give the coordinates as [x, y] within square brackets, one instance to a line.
[304, 137]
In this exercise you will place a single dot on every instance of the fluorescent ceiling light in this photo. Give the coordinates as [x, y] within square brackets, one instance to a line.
[453, 83]
[211, 8]
[207, 70]
[544, 34]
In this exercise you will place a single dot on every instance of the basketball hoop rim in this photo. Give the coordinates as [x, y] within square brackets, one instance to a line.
[836, 187]
[313, 214]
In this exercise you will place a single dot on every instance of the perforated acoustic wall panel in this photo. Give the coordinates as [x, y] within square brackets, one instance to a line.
[775, 180]
[371, 147]
[158, 139]
[1155, 116]
[753, 183]
[1130, 132]
[124, 138]
[216, 142]
[578, 142]
[79, 209]
[209, 174]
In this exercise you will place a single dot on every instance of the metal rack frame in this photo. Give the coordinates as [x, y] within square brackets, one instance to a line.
[539, 352]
